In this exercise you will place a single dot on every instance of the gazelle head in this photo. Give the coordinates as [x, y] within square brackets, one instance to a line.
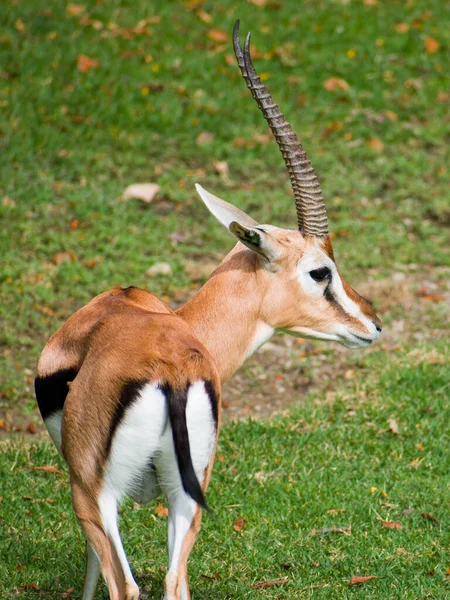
[304, 293]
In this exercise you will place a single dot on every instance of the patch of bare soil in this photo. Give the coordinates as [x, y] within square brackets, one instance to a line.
[414, 307]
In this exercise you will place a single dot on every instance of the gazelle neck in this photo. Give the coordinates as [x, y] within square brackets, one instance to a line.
[225, 314]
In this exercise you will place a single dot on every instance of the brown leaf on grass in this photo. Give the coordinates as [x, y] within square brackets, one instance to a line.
[271, 583]
[48, 469]
[161, 511]
[39, 500]
[431, 45]
[429, 517]
[443, 97]
[258, 2]
[141, 191]
[334, 511]
[75, 9]
[221, 167]
[217, 35]
[63, 257]
[331, 128]
[375, 144]
[45, 310]
[84, 63]
[391, 525]
[239, 524]
[336, 84]
[415, 464]
[393, 426]
[204, 16]
[213, 577]
[357, 580]
[67, 593]
[204, 138]
[408, 511]
[402, 27]
[31, 428]
[335, 530]
[391, 115]
[33, 586]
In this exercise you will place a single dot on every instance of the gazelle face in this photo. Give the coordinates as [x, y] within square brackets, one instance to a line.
[314, 300]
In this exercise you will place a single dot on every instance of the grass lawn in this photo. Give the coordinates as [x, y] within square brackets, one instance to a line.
[98, 97]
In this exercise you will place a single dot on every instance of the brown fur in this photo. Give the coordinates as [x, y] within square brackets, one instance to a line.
[131, 346]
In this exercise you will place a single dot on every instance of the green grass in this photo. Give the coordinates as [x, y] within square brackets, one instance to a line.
[71, 142]
[282, 476]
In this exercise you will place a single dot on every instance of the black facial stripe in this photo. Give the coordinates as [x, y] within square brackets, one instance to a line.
[51, 391]
[328, 293]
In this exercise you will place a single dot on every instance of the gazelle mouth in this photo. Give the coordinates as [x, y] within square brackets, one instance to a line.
[363, 339]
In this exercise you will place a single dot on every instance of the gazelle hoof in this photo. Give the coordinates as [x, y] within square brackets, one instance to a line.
[131, 591]
[171, 587]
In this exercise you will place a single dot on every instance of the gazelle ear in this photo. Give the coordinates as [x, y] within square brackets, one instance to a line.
[256, 239]
[223, 211]
[242, 226]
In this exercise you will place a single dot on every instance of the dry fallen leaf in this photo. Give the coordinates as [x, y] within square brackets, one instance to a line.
[221, 167]
[141, 191]
[356, 579]
[264, 584]
[161, 511]
[63, 257]
[74, 9]
[239, 524]
[204, 138]
[204, 16]
[375, 144]
[391, 525]
[336, 84]
[84, 63]
[32, 428]
[431, 45]
[327, 530]
[161, 268]
[217, 35]
[402, 27]
[48, 469]
[408, 511]
[429, 517]
[393, 426]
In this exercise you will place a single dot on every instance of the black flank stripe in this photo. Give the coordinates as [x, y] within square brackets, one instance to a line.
[129, 393]
[51, 391]
[214, 400]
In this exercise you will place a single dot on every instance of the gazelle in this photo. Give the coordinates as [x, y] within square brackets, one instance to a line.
[130, 390]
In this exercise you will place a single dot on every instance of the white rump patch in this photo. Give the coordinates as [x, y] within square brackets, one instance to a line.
[136, 441]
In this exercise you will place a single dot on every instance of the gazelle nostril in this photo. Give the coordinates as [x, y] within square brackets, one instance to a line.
[377, 325]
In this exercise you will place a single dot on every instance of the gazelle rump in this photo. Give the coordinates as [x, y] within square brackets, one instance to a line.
[130, 390]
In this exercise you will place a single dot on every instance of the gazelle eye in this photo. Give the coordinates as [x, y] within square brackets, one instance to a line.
[320, 274]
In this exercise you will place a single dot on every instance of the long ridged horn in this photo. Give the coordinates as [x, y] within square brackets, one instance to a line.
[310, 207]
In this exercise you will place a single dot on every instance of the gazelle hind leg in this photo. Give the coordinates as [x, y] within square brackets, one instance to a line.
[184, 525]
[98, 519]
[92, 572]
[184, 512]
